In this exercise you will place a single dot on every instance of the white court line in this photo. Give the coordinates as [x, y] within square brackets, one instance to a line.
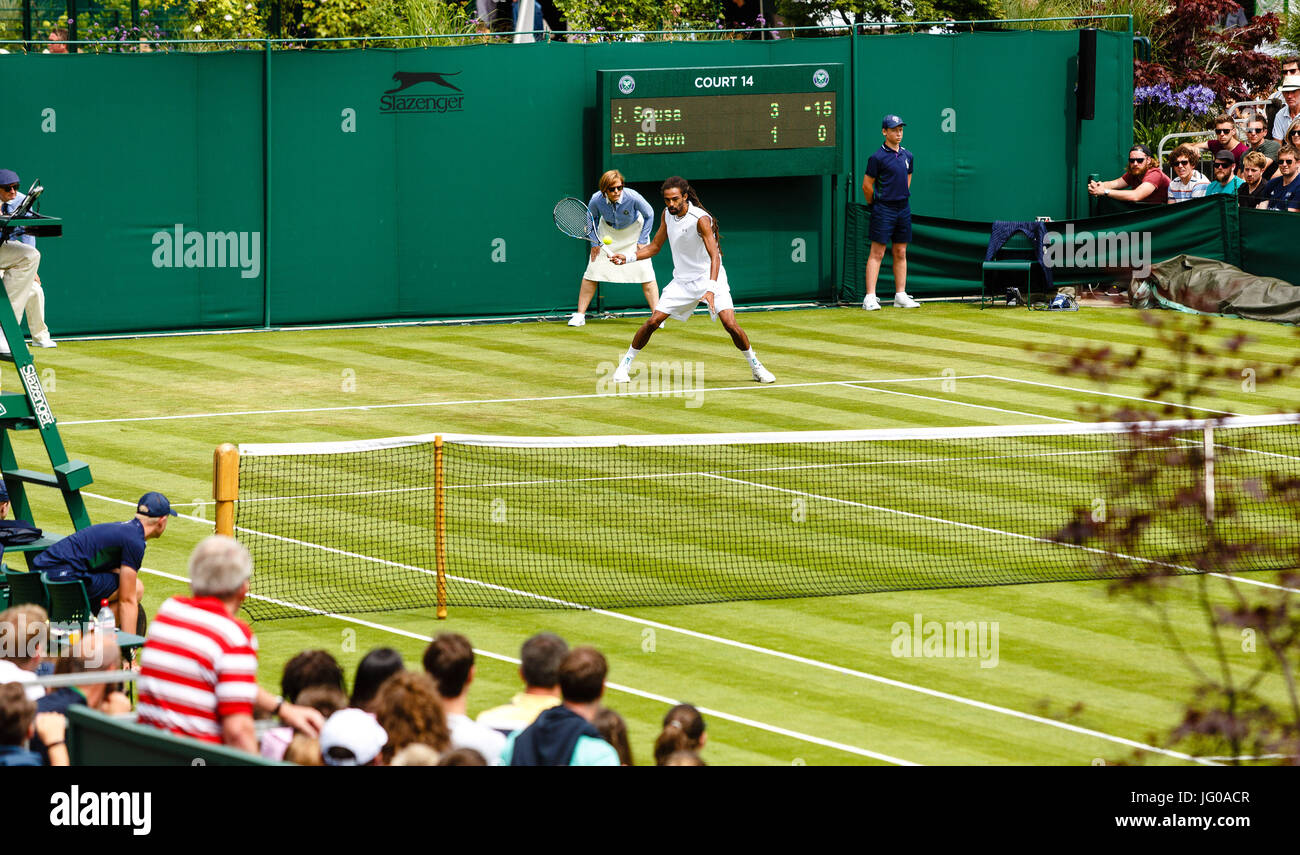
[746, 388]
[618, 687]
[826, 666]
[854, 385]
[1104, 394]
[972, 526]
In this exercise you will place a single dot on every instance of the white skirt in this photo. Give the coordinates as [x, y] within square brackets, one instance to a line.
[624, 241]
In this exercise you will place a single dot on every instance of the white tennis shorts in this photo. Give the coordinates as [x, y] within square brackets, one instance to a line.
[679, 299]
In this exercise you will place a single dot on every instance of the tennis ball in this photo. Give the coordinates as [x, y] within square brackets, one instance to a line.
[607, 240]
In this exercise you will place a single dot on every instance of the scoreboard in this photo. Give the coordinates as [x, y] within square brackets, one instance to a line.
[733, 122]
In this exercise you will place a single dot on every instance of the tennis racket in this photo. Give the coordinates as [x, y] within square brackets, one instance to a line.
[573, 218]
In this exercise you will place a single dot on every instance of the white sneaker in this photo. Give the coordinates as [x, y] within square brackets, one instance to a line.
[620, 375]
[577, 319]
[902, 301]
[762, 375]
[46, 342]
[871, 303]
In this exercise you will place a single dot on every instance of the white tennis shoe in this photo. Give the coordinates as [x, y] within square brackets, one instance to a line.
[871, 303]
[762, 375]
[577, 319]
[620, 375]
[902, 301]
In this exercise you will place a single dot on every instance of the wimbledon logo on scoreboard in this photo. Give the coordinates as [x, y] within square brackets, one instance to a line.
[424, 101]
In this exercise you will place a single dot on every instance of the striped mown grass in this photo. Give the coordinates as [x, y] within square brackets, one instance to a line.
[1081, 675]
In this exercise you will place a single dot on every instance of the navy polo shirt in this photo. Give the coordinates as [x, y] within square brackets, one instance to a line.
[101, 548]
[890, 169]
[1280, 197]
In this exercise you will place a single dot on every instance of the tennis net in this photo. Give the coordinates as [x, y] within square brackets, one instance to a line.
[622, 521]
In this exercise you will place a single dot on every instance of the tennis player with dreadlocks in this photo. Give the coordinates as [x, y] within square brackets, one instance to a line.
[698, 274]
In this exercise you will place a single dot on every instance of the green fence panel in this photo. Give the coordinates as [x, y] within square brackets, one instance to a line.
[1268, 240]
[434, 203]
[135, 149]
[1104, 141]
[991, 117]
[96, 739]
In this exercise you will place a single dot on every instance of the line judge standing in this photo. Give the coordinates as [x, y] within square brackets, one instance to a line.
[625, 217]
[887, 185]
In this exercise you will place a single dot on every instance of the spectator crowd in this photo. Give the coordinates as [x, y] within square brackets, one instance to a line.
[1251, 157]
[198, 679]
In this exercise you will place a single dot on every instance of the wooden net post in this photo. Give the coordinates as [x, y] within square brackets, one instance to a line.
[440, 527]
[225, 486]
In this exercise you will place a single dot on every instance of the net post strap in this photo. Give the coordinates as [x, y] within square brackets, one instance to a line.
[440, 527]
[225, 486]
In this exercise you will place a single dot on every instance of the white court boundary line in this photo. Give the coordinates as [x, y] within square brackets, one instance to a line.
[825, 666]
[648, 394]
[618, 687]
[467, 401]
[854, 385]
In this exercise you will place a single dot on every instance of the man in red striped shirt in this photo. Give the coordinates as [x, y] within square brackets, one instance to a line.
[198, 670]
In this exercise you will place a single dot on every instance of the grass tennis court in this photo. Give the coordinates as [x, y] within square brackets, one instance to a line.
[1079, 675]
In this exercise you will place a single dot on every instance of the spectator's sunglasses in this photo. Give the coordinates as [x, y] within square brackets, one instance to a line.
[1137, 160]
[9, 187]
[618, 189]
[1183, 162]
[1223, 130]
[1295, 132]
[1286, 162]
[1258, 130]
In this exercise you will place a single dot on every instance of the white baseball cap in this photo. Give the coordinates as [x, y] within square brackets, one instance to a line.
[358, 732]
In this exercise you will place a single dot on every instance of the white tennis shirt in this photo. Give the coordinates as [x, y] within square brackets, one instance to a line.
[690, 255]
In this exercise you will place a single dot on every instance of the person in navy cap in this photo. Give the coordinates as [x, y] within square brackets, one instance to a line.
[887, 186]
[19, 262]
[107, 558]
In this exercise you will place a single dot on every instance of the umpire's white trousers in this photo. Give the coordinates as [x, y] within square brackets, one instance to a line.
[19, 263]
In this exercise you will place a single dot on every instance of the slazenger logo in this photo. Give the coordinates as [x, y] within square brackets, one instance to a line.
[40, 407]
[133, 810]
[821, 77]
[627, 84]
[392, 102]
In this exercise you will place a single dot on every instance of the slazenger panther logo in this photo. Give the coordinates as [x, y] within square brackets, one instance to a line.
[407, 79]
[391, 102]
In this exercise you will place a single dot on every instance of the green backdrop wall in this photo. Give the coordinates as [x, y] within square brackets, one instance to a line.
[241, 189]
